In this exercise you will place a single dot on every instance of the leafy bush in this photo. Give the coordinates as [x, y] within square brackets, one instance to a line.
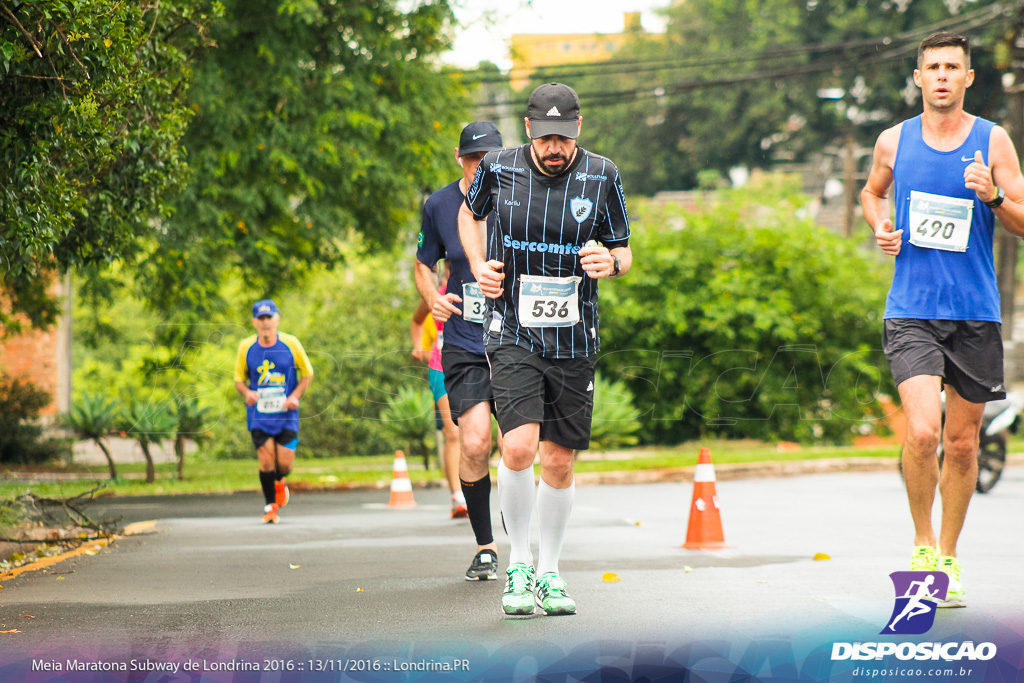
[410, 419]
[22, 441]
[745, 320]
[615, 420]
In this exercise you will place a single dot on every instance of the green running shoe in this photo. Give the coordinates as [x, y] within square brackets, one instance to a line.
[518, 595]
[551, 595]
[955, 595]
[925, 559]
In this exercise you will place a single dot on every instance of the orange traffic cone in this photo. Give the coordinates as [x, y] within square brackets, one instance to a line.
[705, 529]
[401, 487]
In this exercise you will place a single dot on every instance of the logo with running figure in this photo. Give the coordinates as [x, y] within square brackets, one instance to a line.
[916, 596]
[581, 208]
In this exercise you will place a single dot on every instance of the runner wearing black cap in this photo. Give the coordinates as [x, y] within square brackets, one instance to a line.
[553, 202]
[272, 372]
[461, 309]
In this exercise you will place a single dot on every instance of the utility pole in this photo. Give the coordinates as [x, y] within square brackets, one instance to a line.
[1007, 244]
[849, 181]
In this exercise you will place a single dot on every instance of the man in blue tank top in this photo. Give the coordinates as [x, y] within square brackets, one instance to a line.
[954, 173]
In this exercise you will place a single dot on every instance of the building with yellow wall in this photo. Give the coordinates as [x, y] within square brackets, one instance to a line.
[533, 50]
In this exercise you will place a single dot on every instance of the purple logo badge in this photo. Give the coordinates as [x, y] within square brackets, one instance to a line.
[916, 596]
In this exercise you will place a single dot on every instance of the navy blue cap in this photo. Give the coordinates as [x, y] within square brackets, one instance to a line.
[479, 136]
[264, 307]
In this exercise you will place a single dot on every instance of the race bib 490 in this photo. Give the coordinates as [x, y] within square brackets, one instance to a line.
[939, 222]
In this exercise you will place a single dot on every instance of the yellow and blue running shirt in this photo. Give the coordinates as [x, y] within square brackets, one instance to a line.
[273, 372]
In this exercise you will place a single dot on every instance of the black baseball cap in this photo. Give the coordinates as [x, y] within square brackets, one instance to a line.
[479, 136]
[554, 109]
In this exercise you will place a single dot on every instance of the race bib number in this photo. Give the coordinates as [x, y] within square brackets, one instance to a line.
[549, 301]
[473, 303]
[271, 400]
[938, 222]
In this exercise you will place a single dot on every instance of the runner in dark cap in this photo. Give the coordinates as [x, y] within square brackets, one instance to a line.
[461, 309]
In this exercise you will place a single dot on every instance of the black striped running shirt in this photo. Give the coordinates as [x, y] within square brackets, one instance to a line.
[541, 222]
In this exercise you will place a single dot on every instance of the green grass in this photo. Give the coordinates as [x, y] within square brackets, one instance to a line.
[726, 452]
[225, 476]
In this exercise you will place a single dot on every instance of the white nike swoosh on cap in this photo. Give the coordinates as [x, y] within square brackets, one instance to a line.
[482, 135]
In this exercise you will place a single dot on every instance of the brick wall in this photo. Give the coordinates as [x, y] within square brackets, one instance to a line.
[41, 356]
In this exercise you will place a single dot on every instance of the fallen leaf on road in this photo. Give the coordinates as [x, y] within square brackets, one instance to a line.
[60, 578]
[92, 552]
[293, 566]
[687, 569]
[359, 590]
[13, 630]
[610, 577]
[821, 556]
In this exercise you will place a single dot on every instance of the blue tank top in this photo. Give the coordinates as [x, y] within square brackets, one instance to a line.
[934, 284]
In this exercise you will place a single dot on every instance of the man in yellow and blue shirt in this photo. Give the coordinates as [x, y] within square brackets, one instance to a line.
[272, 373]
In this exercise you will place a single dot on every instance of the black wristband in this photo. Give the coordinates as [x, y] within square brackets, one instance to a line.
[997, 200]
[616, 267]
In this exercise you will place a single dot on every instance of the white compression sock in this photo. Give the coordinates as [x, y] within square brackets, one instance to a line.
[515, 495]
[553, 508]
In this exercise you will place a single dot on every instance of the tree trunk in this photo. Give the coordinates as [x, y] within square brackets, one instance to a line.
[110, 459]
[425, 451]
[179, 450]
[150, 468]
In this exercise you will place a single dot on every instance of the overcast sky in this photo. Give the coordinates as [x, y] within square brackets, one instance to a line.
[488, 24]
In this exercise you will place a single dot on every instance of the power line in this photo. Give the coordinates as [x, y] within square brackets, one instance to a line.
[736, 57]
[896, 48]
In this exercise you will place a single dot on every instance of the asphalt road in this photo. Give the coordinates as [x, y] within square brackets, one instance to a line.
[342, 576]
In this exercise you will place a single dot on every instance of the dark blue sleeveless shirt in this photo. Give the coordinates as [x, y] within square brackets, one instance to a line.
[935, 284]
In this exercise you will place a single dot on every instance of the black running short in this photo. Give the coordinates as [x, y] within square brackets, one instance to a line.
[966, 354]
[467, 379]
[558, 393]
[285, 437]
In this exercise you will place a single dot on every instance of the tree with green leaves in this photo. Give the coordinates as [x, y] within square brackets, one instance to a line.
[94, 417]
[192, 426]
[313, 119]
[90, 129]
[148, 423]
[735, 83]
